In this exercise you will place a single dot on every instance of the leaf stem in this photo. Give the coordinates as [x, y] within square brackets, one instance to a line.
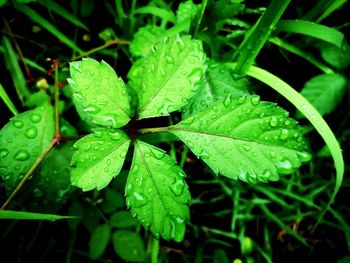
[56, 101]
[158, 129]
[29, 173]
[155, 249]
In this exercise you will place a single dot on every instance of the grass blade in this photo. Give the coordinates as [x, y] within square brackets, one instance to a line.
[259, 34]
[56, 8]
[313, 116]
[311, 29]
[15, 70]
[22, 215]
[7, 101]
[156, 11]
[48, 26]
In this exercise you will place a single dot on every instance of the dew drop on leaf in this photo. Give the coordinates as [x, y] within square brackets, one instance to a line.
[22, 155]
[273, 121]
[2, 169]
[241, 100]
[18, 124]
[115, 136]
[139, 200]
[91, 109]
[246, 147]
[284, 166]
[3, 153]
[31, 133]
[35, 117]
[169, 60]
[227, 101]
[255, 100]
[177, 187]
[304, 156]
[284, 134]
[265, 175]
[188, 120]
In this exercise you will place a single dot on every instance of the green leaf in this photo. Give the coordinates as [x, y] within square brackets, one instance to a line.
[168, 76]
[37, 99]
[99, 240]
[245, 139]
[99, 95]
[99, 158]
[129, 246]
[112, 201]
[22, 140]
[187, 11]
[123, 219]
[21, 215]
[164, 14]
[50, 186]
[144, 39]
[157, 193]
[324, 92]
[218, 83]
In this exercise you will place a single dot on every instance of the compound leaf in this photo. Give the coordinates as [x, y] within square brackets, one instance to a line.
[324, 92]
[168, 76]
[22, 140]
[129, 246]
[245, 139]
[157, 193]
[98, 94]
[99, 157]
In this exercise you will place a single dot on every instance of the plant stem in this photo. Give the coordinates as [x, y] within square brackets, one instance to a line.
[56, 99]
[155, 250]
[158, 129]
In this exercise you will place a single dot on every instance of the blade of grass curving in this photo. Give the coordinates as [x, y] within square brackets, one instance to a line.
[331, 7]
[260, 33]
[35, 65]
[22, 215]
[11, 61]
[311, 29]
[56, 8]
[312, 115]
[307, 56]
[201, 13]
[48, 26]
[7, 101]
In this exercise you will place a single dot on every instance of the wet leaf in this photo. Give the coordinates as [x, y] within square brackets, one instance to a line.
[168, 76]
[22, 140]
[129, 246]
[98, 159]
[98, 94]
[157, 193]
[245, 139]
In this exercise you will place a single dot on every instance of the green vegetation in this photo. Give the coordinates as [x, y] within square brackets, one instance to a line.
[199, 131]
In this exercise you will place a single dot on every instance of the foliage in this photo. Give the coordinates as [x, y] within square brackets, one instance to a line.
[127, 121]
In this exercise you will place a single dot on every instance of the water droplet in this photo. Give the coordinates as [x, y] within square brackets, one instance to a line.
[115, 136]
[255, 100]
[265, 176]
[241, 100]
[110, 121]
[147, 155]
[92, 73]
[3, 170]
[157, 154]
[273, 154]
[35, 118]
[284, 134]
[75, 66]
[139, 200]
[91, 109]
[18, 124]
[31, 132]
[22, 155]
[215, 108]
[204, 154]
[188, 120]
[190, 144]
[284, 166]
[227, 101]
[246, 147]
[169, 60]
[3, 153]
[304, 156]
[287, 122]
[273, 121]
[149, 190]
[178, 187]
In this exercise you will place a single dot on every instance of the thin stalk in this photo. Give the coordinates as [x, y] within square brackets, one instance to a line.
[183, 156]
[203, 6]
[56, 99]
[148, 130]
[155, 250]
